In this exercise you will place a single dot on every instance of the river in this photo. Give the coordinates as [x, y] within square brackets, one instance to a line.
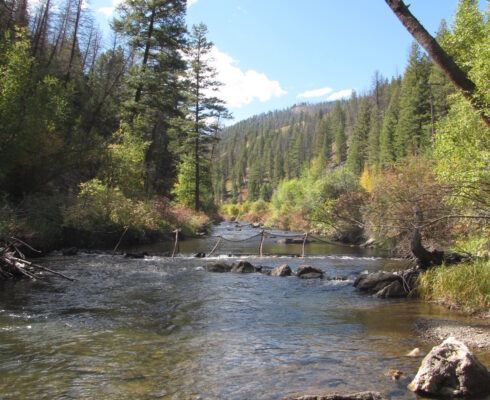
[165, 328]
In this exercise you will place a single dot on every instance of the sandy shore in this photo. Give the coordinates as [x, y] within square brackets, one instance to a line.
[475, 336]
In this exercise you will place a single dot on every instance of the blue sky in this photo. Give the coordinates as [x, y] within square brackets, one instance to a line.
[271, 54]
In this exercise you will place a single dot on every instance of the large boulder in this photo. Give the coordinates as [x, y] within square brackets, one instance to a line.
[451, 370]
[339, 396]
[243, 267]
[393, 290]
[373, 283]
[308, 272]
[282, 270]
[218, 267]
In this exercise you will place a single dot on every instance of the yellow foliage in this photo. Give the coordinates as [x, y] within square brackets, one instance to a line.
[367, 179]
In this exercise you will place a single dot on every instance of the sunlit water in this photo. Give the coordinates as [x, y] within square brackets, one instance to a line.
[165, 328]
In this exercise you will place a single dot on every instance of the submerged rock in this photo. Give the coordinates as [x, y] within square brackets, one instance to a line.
[283, 270]
[218, 267]
[451, 370]
[338, 396]
[308, 272]
[243, 267]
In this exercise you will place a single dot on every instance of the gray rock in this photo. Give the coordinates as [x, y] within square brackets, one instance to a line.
[218, 267]
[282, 270]
[373, 283]
[308, 272]
[338, 396]
[243, 267]
[451, 370]
[393, 290]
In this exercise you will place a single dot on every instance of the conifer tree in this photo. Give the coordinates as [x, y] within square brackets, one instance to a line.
[373, 136]
[413, 129]
[202, 105]
[338, 128]
[357, 153]
[155, 32]
[390, 121]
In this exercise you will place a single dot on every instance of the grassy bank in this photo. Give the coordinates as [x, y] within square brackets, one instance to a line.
[464, 286]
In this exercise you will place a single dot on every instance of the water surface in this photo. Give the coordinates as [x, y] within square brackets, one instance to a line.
[165, 328]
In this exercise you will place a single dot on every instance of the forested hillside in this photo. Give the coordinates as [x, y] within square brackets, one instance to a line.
[93, 137]
[404, 161]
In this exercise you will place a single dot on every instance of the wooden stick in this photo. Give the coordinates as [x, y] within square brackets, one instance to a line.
[23, 271]
[261, 243]
[120, 239]
[304, 241]
[25, 244]
[43, 268]
[215, 246]
[176, 241]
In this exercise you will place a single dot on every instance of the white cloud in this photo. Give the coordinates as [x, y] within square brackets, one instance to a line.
[191, 2]
[108, 11]
[315, 93]
[240, 88]
[341, 94]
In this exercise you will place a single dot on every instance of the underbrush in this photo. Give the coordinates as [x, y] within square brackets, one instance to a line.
[465, 286]
[96, 217]
[249, 211]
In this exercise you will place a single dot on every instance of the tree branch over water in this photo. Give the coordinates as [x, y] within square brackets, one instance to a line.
[439, 56]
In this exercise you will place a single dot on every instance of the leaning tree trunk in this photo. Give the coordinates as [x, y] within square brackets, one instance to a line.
[424, 257]
[440, 57]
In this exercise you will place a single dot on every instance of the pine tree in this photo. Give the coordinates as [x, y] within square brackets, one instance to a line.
[155, 32]
[202, 106]
[338, 128]
[413, 129]
[390, 121]
[373, 136]
[357, 153]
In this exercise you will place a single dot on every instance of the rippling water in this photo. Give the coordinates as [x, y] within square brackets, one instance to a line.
[165, 328]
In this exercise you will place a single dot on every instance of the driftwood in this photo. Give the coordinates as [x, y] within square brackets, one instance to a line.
[14, 265]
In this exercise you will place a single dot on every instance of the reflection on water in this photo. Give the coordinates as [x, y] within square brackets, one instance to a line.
[163, 328]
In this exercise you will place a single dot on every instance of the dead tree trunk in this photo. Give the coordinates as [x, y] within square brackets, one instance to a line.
[424, 257]
[440, 57]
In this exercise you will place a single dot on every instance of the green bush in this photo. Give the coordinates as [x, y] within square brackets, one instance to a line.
[99, 207]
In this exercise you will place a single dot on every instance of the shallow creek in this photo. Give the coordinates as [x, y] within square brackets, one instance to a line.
[165, 328]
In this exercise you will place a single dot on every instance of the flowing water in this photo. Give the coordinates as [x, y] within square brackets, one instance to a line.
[165, 328]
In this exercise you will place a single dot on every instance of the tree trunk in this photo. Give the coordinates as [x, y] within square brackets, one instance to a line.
[137, 97]
[74, 42]
[440, 57]
[424, 257]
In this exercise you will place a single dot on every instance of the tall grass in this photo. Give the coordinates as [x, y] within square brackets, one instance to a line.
[465, 286]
